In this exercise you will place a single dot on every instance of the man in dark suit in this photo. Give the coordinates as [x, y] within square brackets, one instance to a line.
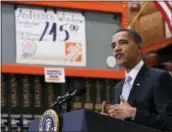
[145, 95]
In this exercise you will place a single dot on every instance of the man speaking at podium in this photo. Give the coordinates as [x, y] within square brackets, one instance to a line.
[145, 95]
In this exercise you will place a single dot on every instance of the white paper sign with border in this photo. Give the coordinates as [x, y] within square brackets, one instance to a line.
[50, 37]
[54, 75]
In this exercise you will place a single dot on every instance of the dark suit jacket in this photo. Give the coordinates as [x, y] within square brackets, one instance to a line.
[151, 94]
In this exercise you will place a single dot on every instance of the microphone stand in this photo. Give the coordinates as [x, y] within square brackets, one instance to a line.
[66, 107]
[63, 107]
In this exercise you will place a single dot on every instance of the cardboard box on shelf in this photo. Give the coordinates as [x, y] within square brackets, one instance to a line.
[149, 8]
[151, 27]
[149, 24]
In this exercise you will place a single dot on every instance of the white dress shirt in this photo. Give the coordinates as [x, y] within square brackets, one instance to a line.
[133, 73]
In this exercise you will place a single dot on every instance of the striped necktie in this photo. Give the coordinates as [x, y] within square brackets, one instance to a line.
[126, 87]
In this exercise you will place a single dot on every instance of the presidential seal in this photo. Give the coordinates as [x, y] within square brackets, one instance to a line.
[49, 121]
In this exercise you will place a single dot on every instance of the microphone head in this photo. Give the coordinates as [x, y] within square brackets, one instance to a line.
[77, 92]
[69, 95]
[80, 91]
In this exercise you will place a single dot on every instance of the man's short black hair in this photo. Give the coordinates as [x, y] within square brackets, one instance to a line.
[137, 38]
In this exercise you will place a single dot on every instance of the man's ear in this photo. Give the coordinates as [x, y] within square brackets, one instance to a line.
[140, 47]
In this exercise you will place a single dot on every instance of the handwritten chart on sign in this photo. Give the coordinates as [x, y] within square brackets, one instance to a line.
[50, 38]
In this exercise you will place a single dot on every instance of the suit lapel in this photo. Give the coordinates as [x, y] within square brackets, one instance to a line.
[118, 92]
[138, 82]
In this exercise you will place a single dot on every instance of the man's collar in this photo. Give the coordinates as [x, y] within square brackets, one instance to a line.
[134, 71]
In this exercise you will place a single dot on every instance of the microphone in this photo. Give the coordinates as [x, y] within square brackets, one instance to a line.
[68, 96]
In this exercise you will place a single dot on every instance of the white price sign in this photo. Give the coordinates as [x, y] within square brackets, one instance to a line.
[50, 38]
[54, 75]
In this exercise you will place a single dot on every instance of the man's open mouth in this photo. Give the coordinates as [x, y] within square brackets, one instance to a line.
[118, 56]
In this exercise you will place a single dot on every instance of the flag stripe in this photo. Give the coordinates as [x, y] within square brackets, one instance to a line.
[168, 4]
[165, 11]
[168, 33]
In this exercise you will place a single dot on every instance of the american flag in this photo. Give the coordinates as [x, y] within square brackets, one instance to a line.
[165, 8]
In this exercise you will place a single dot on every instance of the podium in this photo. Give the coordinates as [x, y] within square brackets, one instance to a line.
[88, 121]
